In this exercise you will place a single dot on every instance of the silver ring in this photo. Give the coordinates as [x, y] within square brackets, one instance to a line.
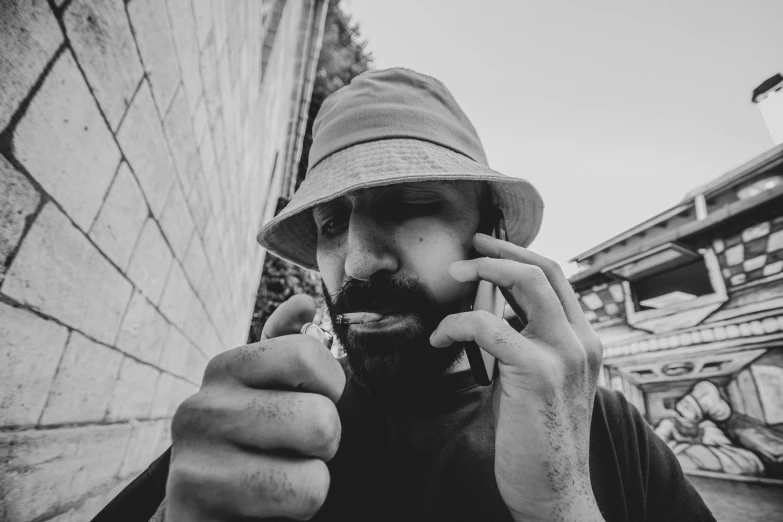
[316, 332]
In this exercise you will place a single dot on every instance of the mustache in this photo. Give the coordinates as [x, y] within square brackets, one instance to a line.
[380, 293]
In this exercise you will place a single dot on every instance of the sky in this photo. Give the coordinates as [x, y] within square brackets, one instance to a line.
[613, 109]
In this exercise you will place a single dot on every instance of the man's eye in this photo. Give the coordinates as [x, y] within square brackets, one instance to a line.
[333, 227]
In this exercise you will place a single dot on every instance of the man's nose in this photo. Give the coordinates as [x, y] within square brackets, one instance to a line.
[368, 249]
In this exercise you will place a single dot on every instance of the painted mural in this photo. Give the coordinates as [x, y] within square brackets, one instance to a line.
[699, 442]
[732, 426]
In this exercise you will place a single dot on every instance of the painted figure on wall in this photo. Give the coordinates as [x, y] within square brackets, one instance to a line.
[697, 439]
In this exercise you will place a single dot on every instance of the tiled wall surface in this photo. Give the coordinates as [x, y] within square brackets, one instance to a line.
[138, 141]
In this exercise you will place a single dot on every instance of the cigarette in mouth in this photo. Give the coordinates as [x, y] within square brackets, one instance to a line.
[359, 318]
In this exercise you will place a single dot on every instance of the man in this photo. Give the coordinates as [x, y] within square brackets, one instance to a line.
[397, 189]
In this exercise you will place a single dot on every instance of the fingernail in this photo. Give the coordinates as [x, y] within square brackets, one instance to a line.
[432, 335]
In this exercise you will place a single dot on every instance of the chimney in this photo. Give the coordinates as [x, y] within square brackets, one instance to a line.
[769, 97]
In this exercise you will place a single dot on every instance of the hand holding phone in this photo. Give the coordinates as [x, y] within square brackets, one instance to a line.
[491, 299]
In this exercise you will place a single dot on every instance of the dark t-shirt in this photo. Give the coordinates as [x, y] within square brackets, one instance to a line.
[431, 458]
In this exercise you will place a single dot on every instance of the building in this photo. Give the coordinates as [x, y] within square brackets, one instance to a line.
[769, 98]
[689, 306]
[142, 143]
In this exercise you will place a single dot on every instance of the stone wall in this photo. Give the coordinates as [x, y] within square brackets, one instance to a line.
[142, 143]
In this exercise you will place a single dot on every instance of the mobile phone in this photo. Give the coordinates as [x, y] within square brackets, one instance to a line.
[489, 298]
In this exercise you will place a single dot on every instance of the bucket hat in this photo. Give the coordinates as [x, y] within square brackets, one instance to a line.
[386, 127]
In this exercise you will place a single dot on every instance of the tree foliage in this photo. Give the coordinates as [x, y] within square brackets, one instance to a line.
[343, 56]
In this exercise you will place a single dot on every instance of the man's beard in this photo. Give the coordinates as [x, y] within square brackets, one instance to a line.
[400, 360]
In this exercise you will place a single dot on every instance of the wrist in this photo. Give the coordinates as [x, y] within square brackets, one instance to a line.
[566, 509]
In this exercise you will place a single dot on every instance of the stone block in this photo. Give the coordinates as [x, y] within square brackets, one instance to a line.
[150, 22]
[161, 403]
[184, 32]
[144, 144]
[179, 131]
[210, 342]
[218, 140]
[142, 446]
[177, 295]
[195, 364]
[209, 76]
[64, 143]
[200, 120]
[133, 392]
[92, 505]
[45, 469]
[212, 243]
[203, 16]
[775, 241]
[84, 382]
[209, 296]
[29, 37]
[176, 222]
[30, 350]
[198, 203]
[143, 331]
[165, 439]
[121, 217]
[207, 153]
[18, 201]
[59, 272]
[219, 22]
[196, 324]
[169, 394]
[735, 255]
[150, 261]
[101, 37]
[175, 353]
[195, 264]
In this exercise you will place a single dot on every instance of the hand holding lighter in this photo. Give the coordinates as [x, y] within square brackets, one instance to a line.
[315, 331]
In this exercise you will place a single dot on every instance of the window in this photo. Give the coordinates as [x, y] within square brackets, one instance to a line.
[678, 285]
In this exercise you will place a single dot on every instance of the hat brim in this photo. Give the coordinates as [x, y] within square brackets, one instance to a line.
[292, 234]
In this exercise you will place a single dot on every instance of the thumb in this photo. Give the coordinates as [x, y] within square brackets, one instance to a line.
[289, 317]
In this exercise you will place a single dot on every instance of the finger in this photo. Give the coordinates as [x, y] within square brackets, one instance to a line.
[289, 317]
[239, 485]
[496, 248]
[529, 287]
[292, 362]
[267, 420]
[491, 333]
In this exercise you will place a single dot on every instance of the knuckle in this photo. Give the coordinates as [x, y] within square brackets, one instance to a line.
[536, 275]
[305, 356]
[186, 417]
[551, 266]
[595, 352]
[216, 366]
[314, 489]
[187, 476]
[325, 426]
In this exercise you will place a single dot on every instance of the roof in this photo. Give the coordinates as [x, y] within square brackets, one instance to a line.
[713, 220]
[735, 175]
[766, 85]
